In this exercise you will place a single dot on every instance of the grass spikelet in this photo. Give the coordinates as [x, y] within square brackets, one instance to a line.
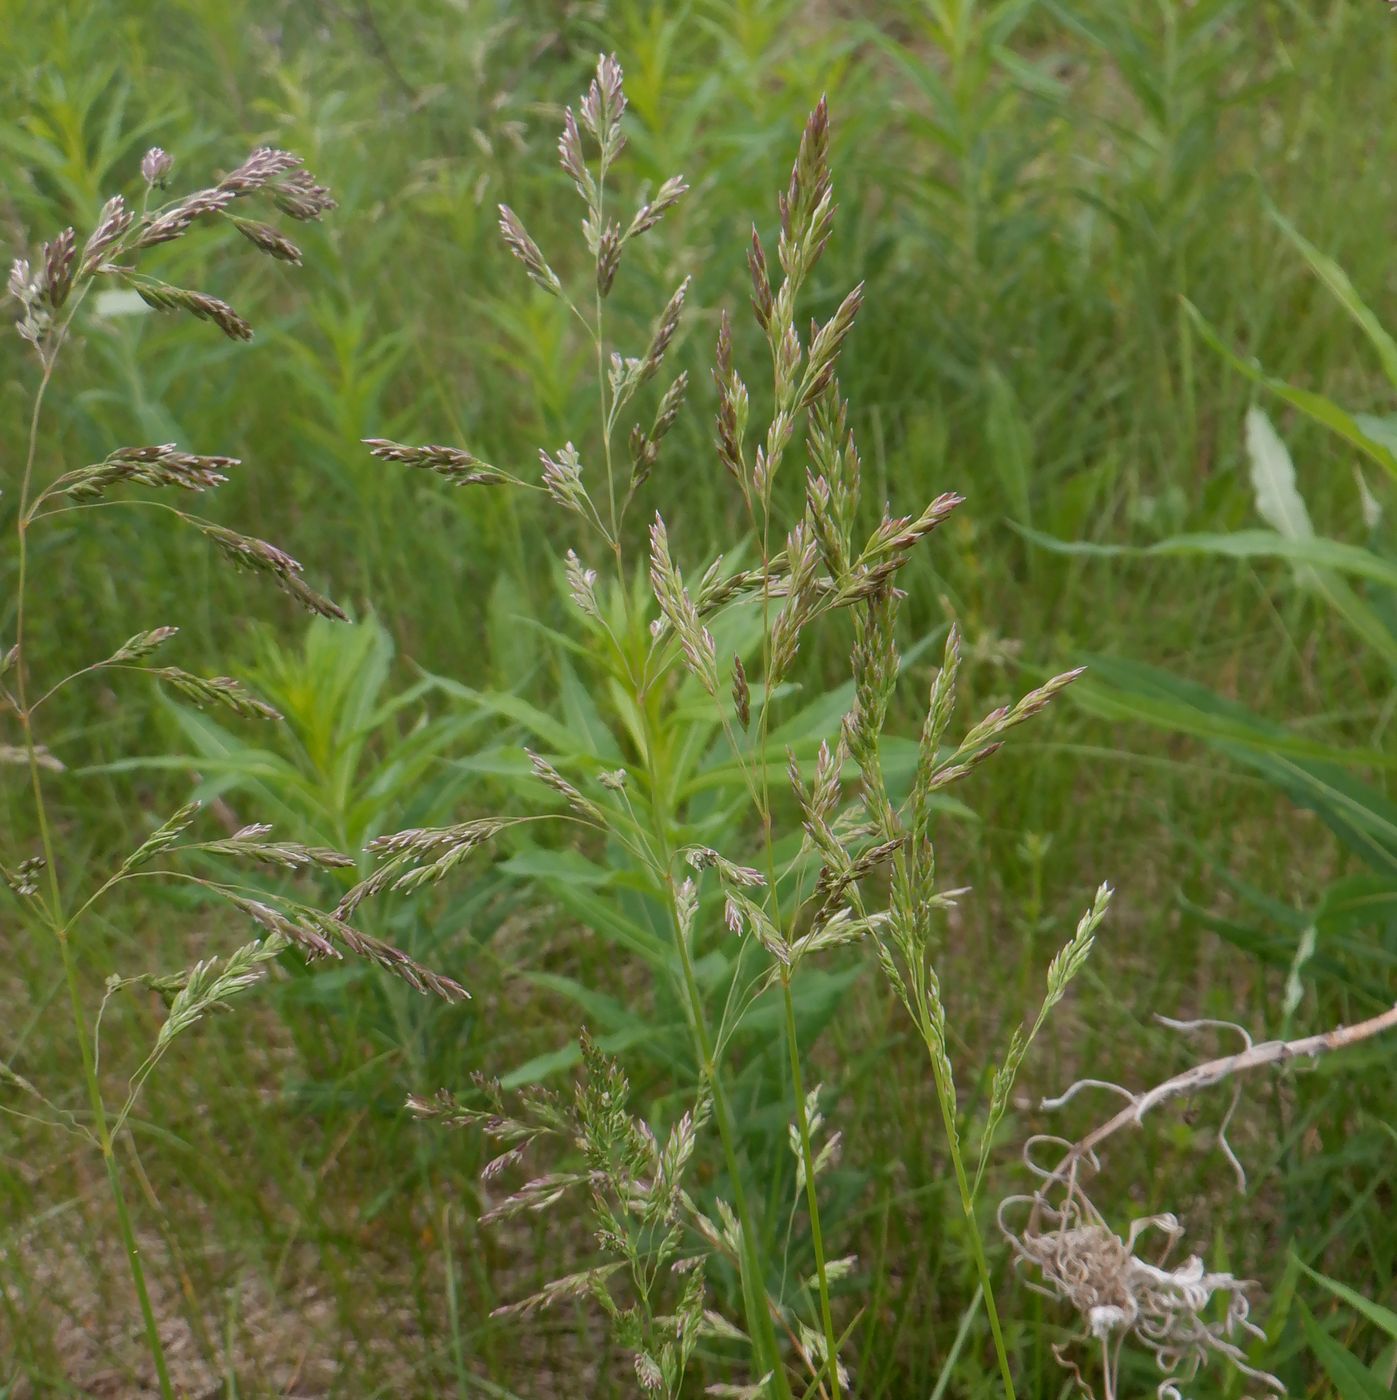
[163, 465]
[678, 609]
[452, 464]
[518, 241]
[257, 556]
[215, 690]
[162, 296]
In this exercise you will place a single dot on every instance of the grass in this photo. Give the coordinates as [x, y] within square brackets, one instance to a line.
[1027, 191]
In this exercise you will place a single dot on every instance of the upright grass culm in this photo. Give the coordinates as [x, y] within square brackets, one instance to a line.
[845, 857]
[50, 293]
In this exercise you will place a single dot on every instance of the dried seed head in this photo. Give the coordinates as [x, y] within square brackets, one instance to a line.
[299, 197]
[161, 296]
[163, 465]
[562, 476]
[652, 211]
[23, 879]
[1172, 1313]
[574, 162]
[19, 284]
[517, 240]
[58, 267]
[270, 240]
[609, 244]
[288, 855]
[32, 294]
[741, 693]
[664, 331]
[257, 556]
[648, 1373]
[140, 646]
[803, 555]
[112, 223]
[895, 536]
[163, 837]
[582, 585]
[706, 858]
[602, 107]
[548, 774]
[645, 447]
[216, 690]
[454, 464]
[825, 345]
[732, 406]
[763, 306]
[679, 612]
[175, 221]
[261, 167]
[807, 209]
[668, 412]
[385, 955]
[156, 165]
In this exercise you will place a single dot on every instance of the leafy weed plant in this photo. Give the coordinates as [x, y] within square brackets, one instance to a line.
[822, 855]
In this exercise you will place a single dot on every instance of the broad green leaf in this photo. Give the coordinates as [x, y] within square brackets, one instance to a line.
[1382, 430]
[1117, 688]
[566, 1057]
[537, 862]
[1322, 410]
[538, 722]
[1336, 279]
[1316, 551]
[1352, 1379]
[1010, 445]
[1381, 1317]
[1278, 499]
[1357, 902]
[1361, 816]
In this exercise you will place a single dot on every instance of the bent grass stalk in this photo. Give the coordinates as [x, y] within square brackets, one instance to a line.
[49, 297]
[55, 916]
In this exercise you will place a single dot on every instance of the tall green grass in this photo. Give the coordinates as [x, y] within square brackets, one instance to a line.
[1029, 191]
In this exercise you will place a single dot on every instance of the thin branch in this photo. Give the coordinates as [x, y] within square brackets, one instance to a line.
[1211, 1072]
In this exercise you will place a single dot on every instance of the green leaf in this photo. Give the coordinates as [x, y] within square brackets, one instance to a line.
[1382, 430]
[1336, 279]
[552, 1062]
[1010, 444]
[1310, 774]
[1352, 1379]
[1315, 406]
[1382, 1318]
[1315, 551]
[539, 723]
[1278, 499]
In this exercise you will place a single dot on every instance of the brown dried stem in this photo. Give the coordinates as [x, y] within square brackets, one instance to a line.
[1211, 1072]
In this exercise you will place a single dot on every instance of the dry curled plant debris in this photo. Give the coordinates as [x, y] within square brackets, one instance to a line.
[1184, 1316]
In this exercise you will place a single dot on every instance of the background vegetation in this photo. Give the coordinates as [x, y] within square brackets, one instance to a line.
[1030, 190]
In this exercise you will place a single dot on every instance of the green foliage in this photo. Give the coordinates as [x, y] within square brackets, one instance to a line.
[1028, 189]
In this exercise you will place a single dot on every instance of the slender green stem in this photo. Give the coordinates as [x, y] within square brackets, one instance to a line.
[123, 1215]
[55, 904]
[977, 1245]
[753, 1282]
[753, 1276]
[753, 1279]
[812, 1202]
[812, 1198]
